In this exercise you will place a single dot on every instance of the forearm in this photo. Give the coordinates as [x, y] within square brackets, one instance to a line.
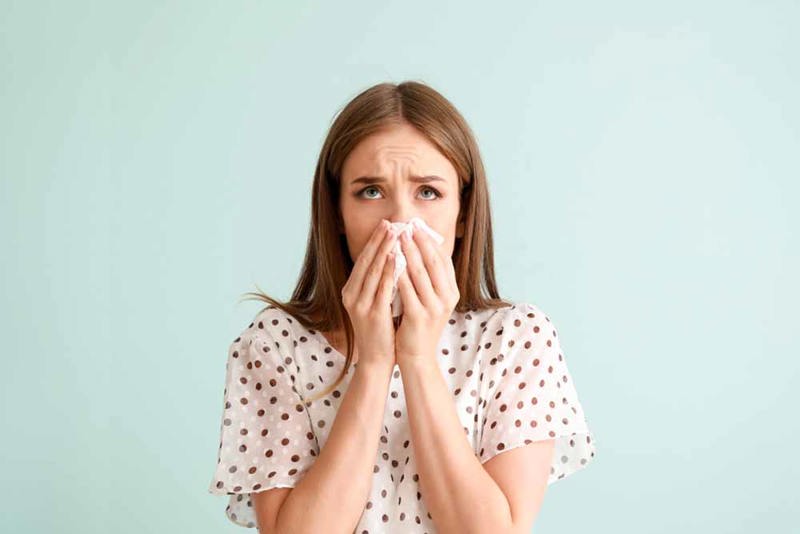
[332, 494]
[458, 492]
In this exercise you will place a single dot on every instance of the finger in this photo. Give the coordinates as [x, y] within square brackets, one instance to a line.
[366, 256]
[418, 273]
[373, 276]
[447, 262]
[408, 295]
[435, 265]
[383, 298]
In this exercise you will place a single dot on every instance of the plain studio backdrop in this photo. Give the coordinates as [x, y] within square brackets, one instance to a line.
[156, 163]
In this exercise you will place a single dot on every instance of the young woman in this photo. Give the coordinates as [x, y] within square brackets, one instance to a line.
[453, 416]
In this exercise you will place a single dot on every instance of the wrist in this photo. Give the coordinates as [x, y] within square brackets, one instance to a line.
[407, 362]
[374, 366]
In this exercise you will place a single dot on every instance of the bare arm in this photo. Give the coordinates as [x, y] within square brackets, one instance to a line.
[459, 493]
[332, 494]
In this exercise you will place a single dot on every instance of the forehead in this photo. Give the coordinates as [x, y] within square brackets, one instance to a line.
[401, 149]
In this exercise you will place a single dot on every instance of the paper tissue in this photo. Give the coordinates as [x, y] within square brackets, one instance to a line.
[414, 223]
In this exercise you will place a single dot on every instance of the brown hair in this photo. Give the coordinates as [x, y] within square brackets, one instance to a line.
[316, 302]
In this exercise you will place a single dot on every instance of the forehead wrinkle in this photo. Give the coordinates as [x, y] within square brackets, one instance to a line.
[396, 157]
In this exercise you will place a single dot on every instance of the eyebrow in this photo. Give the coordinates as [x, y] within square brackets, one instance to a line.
[380, 179]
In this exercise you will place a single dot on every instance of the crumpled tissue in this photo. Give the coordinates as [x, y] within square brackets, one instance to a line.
[414, 223]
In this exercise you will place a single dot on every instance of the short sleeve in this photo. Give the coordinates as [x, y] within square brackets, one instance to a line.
[533, 397]
[266, 436]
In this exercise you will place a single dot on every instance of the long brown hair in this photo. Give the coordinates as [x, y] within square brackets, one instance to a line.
[316, 302]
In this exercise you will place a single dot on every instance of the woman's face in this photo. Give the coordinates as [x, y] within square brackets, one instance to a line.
[395, 163]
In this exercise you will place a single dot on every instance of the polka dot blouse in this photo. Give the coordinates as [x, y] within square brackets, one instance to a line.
[504, 368]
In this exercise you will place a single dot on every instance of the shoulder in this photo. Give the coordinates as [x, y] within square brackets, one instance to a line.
[520, 314]
[528, 321]
[521, 328]
[530, 314]
[268, 327]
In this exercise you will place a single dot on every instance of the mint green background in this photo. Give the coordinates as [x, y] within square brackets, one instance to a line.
[156, 162]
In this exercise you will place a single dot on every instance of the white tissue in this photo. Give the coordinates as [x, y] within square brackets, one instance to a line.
[414, 223]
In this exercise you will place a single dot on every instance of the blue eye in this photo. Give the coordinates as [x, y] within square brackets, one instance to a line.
[365, 189]
[437, 194]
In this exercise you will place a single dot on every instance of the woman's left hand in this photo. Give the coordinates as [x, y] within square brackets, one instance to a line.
[429, 301]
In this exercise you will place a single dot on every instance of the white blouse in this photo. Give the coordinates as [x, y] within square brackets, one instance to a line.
[504, 368]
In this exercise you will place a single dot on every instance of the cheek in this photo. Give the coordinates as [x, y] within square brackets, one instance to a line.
[357, 239]
[354, 229]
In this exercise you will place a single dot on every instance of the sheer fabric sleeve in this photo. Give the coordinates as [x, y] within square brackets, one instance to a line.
[266, 435]
[533, 396]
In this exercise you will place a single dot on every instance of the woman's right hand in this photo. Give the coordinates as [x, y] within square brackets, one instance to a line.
[367, 297]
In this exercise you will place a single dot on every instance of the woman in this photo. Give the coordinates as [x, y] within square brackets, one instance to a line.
[453, 416]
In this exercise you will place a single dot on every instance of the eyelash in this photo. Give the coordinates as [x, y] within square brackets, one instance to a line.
[438, 194]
